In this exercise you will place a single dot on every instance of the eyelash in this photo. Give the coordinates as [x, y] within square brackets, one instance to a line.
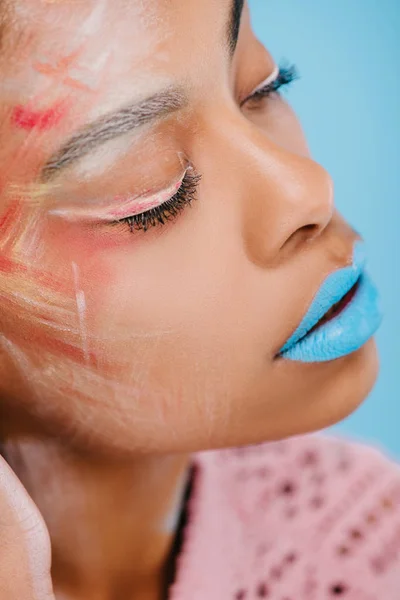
[286, 76]
[169, 210]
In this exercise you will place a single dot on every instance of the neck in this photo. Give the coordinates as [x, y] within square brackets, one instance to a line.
[111, 523]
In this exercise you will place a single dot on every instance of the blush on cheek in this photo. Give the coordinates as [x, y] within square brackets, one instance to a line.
[91, 242]
[70, 243]
[88, 259]
[25, 117]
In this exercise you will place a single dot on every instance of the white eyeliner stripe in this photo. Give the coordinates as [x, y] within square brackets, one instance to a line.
[274, 75]
[127, 208]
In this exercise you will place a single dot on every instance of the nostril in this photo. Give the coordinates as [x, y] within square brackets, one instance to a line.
[301, 235]
[310, 232]
[310, 227]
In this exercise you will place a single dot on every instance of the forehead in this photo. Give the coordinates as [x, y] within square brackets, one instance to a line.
[82, 59]
[97, 54]
[134, 30]
[55, 23]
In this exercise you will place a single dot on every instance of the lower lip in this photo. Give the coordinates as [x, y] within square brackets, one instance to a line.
[356, 321]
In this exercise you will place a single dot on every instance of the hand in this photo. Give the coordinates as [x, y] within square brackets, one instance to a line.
[25, 551]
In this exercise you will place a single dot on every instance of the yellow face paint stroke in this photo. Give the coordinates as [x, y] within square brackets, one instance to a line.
[34, 193]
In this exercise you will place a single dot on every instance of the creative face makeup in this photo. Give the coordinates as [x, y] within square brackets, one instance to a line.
[164, 234]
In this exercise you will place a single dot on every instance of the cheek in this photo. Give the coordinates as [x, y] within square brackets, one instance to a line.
[177, 317]
[183, 282]
[142, 286]
[180, 301]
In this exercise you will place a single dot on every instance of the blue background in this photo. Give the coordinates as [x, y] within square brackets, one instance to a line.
[348, 99]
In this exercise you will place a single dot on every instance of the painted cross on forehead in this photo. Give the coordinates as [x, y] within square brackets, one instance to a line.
[28, 117]
[61, 70]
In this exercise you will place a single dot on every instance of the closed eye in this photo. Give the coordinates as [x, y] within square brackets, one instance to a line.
[279, 77]
[168, 210]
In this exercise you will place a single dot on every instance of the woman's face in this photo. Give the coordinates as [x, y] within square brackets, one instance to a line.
[125, 334]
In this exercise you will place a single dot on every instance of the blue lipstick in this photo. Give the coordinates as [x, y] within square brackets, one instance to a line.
[350, 328]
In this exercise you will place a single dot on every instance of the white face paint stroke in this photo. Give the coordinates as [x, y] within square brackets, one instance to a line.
[127, 91]
[103, 158]
[81, 308]
[22, 363]
[93, 23]
[17, 355]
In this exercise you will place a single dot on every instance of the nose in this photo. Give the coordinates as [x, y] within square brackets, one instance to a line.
[287, 200]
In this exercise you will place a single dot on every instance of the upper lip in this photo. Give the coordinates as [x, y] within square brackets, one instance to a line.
[332, 290]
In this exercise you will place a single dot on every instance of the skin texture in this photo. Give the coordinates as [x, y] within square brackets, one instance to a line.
[24, 551]
[121, 352]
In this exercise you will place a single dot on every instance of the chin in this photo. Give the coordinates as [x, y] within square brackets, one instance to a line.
[319, 395]
[342, 393]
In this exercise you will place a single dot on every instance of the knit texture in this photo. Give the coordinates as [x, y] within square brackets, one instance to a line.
[310, 518]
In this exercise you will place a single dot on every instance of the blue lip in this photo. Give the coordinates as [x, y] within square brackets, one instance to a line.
[349, 330]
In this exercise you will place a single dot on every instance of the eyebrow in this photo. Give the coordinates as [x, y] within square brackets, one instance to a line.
[113, 125]
[234, 24]
[130, 117]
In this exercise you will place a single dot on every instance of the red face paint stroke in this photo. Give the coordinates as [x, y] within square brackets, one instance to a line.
[9, 215]
[7, 266]
[61, 348]
[42, 120]
[46, 280]
[43, 279]
[8, 219]
[58, 347]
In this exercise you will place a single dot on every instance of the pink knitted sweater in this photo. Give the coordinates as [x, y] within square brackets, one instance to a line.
[310, 518]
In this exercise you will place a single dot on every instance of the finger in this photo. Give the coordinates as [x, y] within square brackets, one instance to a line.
[25, 540]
